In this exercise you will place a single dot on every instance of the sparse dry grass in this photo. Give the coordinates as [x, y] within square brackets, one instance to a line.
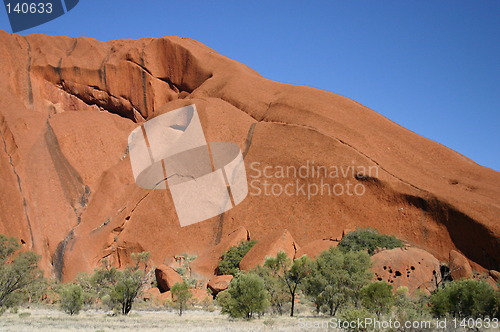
[50, 319]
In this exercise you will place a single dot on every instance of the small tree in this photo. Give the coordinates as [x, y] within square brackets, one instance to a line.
[71, 299]
[368, 239]
[245, 296]
[141, 258]
[465, 299]
[18, 272]
[291, 274]
[277, 289]
[337, 278]
[377, 297]
[126, 290]
[181, 294]
[230, 262]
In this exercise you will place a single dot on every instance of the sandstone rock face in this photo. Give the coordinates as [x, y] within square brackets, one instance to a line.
[166, 277]
[315, 248]
[67, 106]
[200, 295]
[219, 283]
[207, 262]
[411, 267]
[269, 246]
[495, 275]
[459, 266]
[151, 294]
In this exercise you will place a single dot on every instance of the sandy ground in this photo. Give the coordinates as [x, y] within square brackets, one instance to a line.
[45, 320]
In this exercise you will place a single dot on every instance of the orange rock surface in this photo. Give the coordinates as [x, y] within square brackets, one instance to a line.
[459, 266]
[67, 106]
[408, 267]
[315, 248]
[219, 283]
[269, 246]
[166, 277]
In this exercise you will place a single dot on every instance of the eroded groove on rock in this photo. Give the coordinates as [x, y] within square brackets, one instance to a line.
[109, 103]
[248, 141]
[3, 129]
[69, 179]
[58, 258]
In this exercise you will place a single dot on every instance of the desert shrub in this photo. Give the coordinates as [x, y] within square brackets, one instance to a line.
[368, 239]
[353, 316]
[230, 262]
[181, 294]
[279, 295]
[71, 297]
[411, 308]
[245, 296]
[19, 273]
[337, 278]
[185, 270]
[465, 299]
[286, 275]
[377, 297]
[126, 289]
[116, 289]
[97, 285]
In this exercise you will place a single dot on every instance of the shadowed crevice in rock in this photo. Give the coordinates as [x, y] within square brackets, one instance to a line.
[173, 86]
[469, 236]
[112, 104]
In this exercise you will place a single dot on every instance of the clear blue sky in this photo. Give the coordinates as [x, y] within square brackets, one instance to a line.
[431, 66]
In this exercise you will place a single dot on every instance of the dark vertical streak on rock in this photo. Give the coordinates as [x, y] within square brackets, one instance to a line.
[19, 185]
[102, 69]
[248, 141]
[144, 84]
[72, 47]
[58, 258]
[218, 231]
[70, 180]
[30, 88]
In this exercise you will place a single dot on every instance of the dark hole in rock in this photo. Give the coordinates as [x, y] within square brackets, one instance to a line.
[397, 274]
[23, 242]
[413, 267]
[379, 279]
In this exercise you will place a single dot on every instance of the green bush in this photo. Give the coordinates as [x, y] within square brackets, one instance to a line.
[19, 273]
[368, 239]
[337, 278]
[126, 289]
[230, 262]
[245, 296]
[377, 297]
[71, 299]
[279, 295]
[181, 294]
[466, 299]
[355, 315]
[288, 275]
